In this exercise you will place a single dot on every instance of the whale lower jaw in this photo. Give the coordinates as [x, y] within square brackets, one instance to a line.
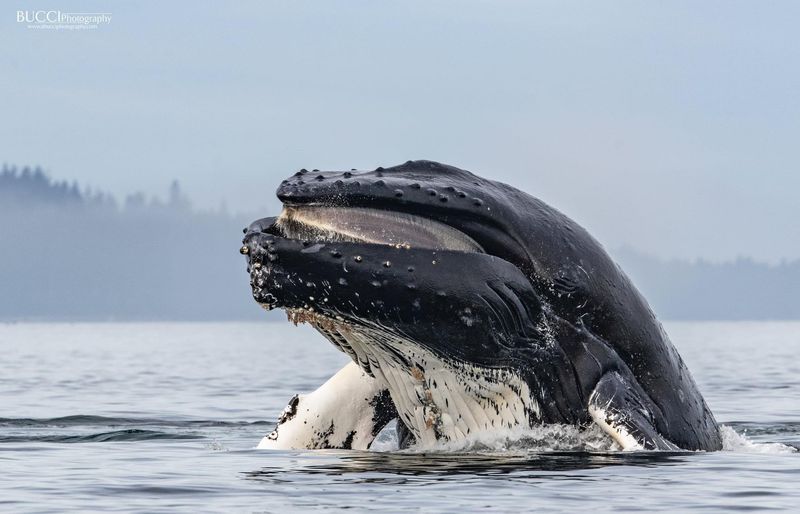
[439, 399]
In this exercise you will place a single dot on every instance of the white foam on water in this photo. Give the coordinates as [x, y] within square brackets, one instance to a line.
[544, 438]
[733, 441]
[386, 440]
[540, 438]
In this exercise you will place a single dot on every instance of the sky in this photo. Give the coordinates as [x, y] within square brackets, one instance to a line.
[671, 128]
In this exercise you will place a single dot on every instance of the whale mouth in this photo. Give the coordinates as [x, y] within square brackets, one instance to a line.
[371, 226]
[300, 232]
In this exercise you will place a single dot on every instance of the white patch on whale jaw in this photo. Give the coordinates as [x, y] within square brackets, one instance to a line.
[609, 422]
[341, 413]
[438, 399]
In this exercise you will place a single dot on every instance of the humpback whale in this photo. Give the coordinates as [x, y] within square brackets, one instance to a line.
[466, 306]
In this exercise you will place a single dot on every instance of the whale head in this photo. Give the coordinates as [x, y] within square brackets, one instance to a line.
[413, 247]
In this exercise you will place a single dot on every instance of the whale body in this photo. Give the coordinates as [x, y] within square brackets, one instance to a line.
[467, 306]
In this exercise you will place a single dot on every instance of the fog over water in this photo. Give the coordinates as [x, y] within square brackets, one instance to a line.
[74, 254]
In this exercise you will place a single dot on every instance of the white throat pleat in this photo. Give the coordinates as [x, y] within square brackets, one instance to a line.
[441, 399]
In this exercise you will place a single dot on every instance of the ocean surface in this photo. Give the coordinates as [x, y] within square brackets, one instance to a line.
[159, 417]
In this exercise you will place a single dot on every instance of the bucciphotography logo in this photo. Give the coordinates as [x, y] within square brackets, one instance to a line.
[57, 20]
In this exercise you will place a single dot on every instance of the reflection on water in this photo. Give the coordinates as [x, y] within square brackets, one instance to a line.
[388, 465]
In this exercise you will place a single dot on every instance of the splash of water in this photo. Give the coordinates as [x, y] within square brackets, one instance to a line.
[559, 438]
[733, 441]
[540, 438]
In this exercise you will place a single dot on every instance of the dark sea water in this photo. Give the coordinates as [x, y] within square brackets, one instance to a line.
[165, 417]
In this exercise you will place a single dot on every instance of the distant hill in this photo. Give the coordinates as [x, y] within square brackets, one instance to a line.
[701, 290]
[72, 254]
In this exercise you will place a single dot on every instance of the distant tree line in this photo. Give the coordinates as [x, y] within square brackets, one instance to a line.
[68, 253]
[32, 185]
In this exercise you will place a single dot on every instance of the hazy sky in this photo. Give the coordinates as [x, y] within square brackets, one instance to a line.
[672, 127]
